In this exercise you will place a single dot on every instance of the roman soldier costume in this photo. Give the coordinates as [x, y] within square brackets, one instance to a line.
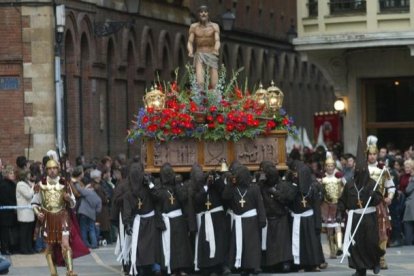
[50, 205]
[387, 188]
[332, 189]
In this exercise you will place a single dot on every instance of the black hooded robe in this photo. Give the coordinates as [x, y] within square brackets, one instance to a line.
[310, 250]
[138, 201]
[365, 253]
[180, 248]
[279, 236]
[252, 226]
[218, 218]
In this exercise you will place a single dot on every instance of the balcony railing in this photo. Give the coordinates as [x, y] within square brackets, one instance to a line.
[313, 8]
[347, 6]
[394, 5]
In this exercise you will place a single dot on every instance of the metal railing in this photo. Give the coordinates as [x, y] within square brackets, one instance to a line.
[394, 5]
[347, 6]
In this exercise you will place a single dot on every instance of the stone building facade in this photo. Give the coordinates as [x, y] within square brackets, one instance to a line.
[105, 77]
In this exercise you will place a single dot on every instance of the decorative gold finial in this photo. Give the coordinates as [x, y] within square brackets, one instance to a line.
[260, 96]
[274, 98]
[155, 99]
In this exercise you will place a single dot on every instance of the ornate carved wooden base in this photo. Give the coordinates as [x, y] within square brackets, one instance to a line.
[183, 153]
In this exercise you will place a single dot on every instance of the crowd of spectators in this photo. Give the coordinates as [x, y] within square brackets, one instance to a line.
[92, 182]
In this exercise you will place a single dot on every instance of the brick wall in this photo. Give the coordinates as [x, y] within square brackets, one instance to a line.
[13, 140]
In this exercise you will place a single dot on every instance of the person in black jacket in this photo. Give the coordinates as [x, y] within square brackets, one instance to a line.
[8, 217]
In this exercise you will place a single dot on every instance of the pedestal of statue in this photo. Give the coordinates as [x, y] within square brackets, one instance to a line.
[183, 153]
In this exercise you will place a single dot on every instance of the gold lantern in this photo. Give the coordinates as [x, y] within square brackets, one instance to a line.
[260, 96]
[155, 99]
[274, 100]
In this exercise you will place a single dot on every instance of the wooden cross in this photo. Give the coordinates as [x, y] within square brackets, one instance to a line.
[139, 203]
[359, 203]
[208, 204]
[303, 202]
[242, 201]
[171, 198]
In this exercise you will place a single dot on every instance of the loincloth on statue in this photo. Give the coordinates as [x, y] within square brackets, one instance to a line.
[208, 59]
[54, 224]
[384, 221]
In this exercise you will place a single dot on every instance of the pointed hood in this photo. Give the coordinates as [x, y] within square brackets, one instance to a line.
[167, 175]
[197, 176]
[305, 139]
[360, 160]
[136, 177]
[361, 174]
[243, 176]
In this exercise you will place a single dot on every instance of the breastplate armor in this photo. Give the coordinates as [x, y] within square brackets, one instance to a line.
[332, 187]
[374, 173]
[53, 196]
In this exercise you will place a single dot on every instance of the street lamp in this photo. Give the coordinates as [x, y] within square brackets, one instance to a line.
[339, 105]
[109, 27]
[227, 20]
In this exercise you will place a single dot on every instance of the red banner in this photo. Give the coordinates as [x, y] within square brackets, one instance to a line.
[331, 127]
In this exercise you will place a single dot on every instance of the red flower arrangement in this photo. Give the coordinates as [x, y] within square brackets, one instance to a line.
[235, 116]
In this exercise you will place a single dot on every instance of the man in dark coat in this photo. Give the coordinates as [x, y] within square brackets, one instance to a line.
[210, 245]
[249, 217]
[175, 242]
[8, 218]
[139, 219]
[276, 237]
[306, 243]
[364, 252]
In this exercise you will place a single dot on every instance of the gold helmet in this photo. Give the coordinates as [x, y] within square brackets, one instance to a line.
[372, 144]
[52, 164]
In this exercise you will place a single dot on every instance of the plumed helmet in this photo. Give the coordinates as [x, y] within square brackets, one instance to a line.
[52, 164]
[329, 159]
[372, 144]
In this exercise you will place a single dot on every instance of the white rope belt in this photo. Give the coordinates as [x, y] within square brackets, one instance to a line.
[348, 229]
[166, 236]
[135, 236]
[239, 234]
[296, 233]
[209, 230]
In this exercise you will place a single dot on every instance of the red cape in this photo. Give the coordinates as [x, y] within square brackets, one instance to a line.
[79, 249]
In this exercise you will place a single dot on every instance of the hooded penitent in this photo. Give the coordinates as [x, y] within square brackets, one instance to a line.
[361, 174]
[271, 173]
[136, 177]
[304, 178]
[167, 175]
[197, 177]
[243, 177]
